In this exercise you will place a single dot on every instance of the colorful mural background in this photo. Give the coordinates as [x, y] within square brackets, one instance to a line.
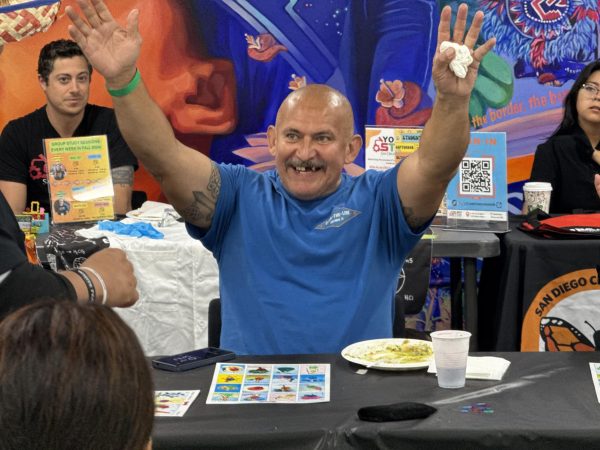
[220, 68]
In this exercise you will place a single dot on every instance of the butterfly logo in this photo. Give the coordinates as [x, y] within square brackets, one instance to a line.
[560, 336]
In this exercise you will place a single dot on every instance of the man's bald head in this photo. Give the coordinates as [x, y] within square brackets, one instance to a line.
[313, 138]
[320, 97]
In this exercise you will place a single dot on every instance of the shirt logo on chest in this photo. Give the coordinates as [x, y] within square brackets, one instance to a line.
[339, 216]
[38, 168]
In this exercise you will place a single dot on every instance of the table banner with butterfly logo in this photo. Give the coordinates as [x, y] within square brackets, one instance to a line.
[564, 315]
[79, 179]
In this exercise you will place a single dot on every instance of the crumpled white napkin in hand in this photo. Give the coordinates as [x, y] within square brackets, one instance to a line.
[482, 367]
[462, 58]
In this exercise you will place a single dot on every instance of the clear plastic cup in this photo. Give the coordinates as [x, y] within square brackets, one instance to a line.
[536, 195]
[450, 351]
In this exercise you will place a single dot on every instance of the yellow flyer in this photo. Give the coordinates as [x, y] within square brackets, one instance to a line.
[79, 179]
[387, 146]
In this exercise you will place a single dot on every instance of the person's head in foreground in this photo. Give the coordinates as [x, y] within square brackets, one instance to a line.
[582, 103]
[72, 377]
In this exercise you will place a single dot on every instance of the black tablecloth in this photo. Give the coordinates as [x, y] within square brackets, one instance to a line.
[518, 285]
[546, 400]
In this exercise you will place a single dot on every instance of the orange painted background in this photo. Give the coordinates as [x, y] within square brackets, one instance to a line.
[172, 65]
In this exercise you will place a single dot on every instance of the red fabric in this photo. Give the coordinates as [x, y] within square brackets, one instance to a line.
[570, 226]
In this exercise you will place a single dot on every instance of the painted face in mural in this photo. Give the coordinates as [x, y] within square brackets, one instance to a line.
[195, 92]
[312, 140]
[68, 86]
[588, 105]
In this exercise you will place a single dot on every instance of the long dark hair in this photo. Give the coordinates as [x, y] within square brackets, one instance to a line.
[72, 377]
[570, 120]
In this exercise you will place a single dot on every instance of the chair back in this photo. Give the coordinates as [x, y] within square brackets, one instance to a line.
[138, 198]
[214, 323]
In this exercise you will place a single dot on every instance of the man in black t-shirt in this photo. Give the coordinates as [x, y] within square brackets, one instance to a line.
[64, 75]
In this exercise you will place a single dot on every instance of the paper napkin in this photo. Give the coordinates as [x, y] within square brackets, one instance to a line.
[482, 367]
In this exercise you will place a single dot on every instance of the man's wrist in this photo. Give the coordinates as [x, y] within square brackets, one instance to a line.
[79, 286]
[123, 84]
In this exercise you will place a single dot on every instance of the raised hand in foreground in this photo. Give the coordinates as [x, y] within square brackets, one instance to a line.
[446, 82]
[111, 49]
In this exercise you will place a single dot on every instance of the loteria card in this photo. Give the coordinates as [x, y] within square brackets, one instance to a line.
[173, 403]
[269, 383]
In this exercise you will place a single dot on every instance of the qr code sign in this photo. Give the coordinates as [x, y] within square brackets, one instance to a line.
[476, 176]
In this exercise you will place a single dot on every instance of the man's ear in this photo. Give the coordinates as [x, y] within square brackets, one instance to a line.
[272, 139]
[43, 83]
[353, 148]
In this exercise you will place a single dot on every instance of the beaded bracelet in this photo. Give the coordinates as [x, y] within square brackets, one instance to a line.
[88, 283]
[101, 281]
[128, 88]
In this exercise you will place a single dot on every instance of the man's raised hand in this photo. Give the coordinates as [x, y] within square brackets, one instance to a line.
[111, 49]
[446, 82]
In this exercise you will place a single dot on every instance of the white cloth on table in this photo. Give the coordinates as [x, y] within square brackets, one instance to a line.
[177, 277]
[156, 213]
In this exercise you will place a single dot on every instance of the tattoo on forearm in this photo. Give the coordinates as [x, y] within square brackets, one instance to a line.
[412, 219]
[214, 182]
[122, 175]
[201, 210]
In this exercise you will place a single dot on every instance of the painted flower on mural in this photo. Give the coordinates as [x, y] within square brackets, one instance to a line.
[263, 47]
[391, 93]
[297, 82]
[402, 103]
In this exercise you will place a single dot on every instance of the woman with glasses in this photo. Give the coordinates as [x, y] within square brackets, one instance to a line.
[570, 158]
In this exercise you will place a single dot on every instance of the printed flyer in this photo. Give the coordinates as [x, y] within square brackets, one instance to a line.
[269, 383]
[79, 179]
[477, 195]
[387, 146]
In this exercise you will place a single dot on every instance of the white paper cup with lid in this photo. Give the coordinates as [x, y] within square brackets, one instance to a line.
[536, 194]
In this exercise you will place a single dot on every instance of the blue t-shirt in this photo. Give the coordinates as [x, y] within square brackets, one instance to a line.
[306, 276]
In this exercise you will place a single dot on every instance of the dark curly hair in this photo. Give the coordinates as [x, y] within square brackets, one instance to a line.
[62, 48]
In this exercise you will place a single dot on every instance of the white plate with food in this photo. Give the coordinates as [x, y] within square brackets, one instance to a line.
[390, 354]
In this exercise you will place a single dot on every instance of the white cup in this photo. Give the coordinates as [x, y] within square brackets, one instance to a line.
[450, 351]
[536, 195]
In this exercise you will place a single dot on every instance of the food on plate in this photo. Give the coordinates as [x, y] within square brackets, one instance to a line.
[395, 352]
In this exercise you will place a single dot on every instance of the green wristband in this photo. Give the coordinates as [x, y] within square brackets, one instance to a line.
[127, 89]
